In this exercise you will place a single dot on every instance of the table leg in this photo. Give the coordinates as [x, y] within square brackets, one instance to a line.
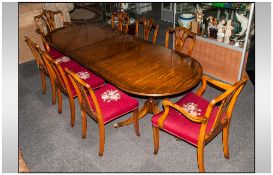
[150, 106]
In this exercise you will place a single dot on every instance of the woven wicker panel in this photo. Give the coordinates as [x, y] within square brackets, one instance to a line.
[217, 61]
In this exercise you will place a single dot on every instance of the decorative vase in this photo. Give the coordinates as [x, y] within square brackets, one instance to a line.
[185, 20]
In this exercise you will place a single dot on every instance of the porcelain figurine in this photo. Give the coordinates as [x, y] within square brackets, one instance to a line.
[243, 20]
[199, 15]
[228, 33]
[123, 6]
[221, 30]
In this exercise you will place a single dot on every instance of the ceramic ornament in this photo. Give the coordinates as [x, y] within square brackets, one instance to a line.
[243, 20]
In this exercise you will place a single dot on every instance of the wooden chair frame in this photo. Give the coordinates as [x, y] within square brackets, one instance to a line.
[47, 20]
[148, 24]
[82, 89]
[227, 102]
[121, 16]
[58, 76]
[37, 52]
[181, 35]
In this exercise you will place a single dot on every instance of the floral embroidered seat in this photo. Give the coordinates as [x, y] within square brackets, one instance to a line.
[103, 105]
[66, 62]
[90, 78]
[113, 102]
[197, 120]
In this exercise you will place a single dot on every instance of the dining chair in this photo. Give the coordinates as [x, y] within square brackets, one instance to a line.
[45, 23]
[196, 120]
[37, 53]
[103, 105]
[148, 24]
[122, 19]
[64, 85]
[181, 36]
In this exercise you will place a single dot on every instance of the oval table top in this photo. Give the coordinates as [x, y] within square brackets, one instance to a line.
[132, 64]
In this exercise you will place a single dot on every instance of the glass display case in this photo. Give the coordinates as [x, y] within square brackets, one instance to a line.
[222, 22]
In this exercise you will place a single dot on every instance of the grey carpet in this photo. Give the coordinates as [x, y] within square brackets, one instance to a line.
[49, 144]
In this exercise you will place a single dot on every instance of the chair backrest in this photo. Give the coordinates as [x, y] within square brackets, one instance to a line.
[181, 36]
[57, 74]
[122, 19]
[148, 24]
[37, 53]
[225, 101]
[82, 89]
[45, 22]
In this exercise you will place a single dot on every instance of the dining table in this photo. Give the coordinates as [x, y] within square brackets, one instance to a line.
[132, 64]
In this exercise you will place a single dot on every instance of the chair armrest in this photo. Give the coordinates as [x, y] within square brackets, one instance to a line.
[216, 82]
[166, 104]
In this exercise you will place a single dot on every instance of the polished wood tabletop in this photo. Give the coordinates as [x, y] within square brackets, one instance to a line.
[132, 64]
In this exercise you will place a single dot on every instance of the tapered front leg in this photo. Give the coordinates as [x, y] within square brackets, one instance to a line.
[59, 93]
[101, 139]
[53, 87]
[200, 158]
[225, 135]
[43, 82]
[72, 111]
[84, 128]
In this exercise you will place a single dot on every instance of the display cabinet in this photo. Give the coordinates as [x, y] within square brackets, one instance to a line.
[223, 28]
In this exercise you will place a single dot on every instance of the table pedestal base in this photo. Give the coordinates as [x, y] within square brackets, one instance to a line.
[150, 106]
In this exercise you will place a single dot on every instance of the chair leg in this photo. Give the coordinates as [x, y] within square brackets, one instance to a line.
[83, 124]
[136, 124]
[200, 158]
[53, 92]
[43, 82]
[59, 93]
[156, 139]
[72, 111]
[225, 135]
[101, 139]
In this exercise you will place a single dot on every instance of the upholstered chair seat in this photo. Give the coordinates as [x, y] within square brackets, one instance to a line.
[177, 124]
[87, 76]
[113, 102]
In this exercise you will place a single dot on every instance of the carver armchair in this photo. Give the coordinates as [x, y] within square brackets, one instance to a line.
[148, 25]
[197, 120]
[103, 105]
[181, 36]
